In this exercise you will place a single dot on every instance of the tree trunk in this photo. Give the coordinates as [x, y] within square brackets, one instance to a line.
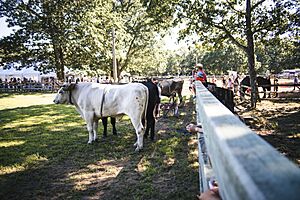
[58, 61]
[62, 62]
[250, 55]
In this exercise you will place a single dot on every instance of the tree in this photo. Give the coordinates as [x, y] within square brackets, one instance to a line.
[220, 60]
[139, 36]
[45, 29]
[221, 21]
[277, 54]
[77, 34]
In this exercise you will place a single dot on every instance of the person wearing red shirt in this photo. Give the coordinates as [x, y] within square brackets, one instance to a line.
[200, 75]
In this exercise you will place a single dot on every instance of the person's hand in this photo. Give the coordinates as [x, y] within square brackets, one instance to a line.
[212, 194]
[192, 128]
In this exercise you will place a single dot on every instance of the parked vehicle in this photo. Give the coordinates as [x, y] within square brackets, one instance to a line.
[289, 73]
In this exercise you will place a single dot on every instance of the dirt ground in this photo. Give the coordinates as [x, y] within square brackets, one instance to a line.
[276, 121]
[109, 169]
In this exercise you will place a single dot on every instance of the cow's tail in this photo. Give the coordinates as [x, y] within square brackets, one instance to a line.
[146, 107]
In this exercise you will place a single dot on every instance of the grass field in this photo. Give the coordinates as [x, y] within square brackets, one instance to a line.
[44, 155]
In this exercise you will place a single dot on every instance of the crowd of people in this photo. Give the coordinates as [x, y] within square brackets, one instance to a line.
[28, 84]
[230, 82]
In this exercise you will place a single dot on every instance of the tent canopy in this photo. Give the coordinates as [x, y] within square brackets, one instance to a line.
[29, 73]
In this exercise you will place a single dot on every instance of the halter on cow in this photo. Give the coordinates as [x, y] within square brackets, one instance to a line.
[93, 101]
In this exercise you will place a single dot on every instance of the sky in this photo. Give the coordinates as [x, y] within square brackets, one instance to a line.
[4, 30]
[170, 39]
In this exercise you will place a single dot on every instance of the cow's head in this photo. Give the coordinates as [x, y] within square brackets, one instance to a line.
[63, 95]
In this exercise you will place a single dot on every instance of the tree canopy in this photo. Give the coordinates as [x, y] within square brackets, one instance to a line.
[52, 35]
[243, 23]
[248, 36]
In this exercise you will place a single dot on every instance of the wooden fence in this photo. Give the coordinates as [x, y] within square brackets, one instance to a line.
[275, 93]
[244, 165]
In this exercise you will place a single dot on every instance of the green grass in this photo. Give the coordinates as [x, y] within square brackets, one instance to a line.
[44, 155]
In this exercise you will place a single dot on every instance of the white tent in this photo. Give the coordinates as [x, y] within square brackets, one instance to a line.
[50, 74]
[10, 73]
[29, 73]
[32, 74]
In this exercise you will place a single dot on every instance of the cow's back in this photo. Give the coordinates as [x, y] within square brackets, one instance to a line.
[245, 81]
[124, 99]
[89, 96]
[153, 92]
[171, 86]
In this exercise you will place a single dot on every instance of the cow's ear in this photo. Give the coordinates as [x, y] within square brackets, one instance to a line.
[69, 87]
[72, 86]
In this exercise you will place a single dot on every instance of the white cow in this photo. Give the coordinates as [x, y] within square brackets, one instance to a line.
[94, 100]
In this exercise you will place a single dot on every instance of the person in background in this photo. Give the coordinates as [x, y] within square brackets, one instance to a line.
[192, 82]
[230, 84]
[157, 106]
[236, 84]
[276, 86]
[296, 81]
[213, 193]
[201, 75]
[224, 82]
[214, 79]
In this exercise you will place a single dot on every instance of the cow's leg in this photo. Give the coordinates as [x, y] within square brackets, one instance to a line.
[265, 93]
[157, 110]
[147, 127]
[151, 126]
[176, 112]
[269, 93]
[95, 129]
[138, 126]
[89, 118]
[140, 140]
[104, 123]
[180, 98]
[151, 121]
[113, 123]
[242, 93]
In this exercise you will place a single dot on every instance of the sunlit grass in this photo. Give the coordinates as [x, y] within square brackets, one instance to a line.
[28, 162]
[14, 101]
[95, 174]
[11, 143]
[44, 154]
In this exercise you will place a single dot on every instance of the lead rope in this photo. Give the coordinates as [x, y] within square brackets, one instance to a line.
[103, 97]
[70, 97]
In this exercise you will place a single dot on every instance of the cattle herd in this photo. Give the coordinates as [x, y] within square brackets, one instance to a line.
[139, 101]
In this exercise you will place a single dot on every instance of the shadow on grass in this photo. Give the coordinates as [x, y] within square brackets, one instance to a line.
[286, 136]
[44, 155]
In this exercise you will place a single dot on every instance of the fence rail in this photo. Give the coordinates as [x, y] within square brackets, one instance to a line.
[28, 87]
[245, 166]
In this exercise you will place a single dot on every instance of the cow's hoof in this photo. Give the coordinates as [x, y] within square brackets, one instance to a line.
[90, 142]
[138, 149]
[96, 140]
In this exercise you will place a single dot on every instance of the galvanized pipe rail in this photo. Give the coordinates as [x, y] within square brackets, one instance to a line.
[245, 166]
